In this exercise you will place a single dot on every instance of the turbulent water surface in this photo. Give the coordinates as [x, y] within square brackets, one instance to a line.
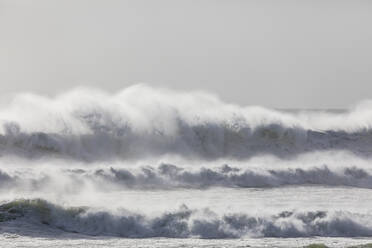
[156, 168]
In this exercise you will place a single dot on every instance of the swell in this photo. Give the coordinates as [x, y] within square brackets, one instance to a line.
[185, 222]
[168, 176]
[144, 122]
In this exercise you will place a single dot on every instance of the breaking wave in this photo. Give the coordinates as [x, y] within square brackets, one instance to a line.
[168, 176]
[185, 222]
[141, 122]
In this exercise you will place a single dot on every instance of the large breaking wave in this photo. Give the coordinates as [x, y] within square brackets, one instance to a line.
[143, 122]
[186, 222]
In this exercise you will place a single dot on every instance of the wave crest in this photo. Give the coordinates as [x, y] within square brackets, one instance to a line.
[141, 121]
[185, 222]
[169, 176]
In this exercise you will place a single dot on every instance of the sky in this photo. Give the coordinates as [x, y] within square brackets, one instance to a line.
[280, 54]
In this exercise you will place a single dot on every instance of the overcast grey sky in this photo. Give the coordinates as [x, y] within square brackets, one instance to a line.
[297, 54]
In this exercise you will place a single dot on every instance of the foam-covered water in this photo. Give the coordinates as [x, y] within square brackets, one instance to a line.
[94, 167]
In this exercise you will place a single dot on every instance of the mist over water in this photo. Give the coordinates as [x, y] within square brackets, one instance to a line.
[141, 122]
[91, 162]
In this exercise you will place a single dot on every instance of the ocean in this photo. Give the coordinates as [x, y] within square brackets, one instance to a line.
[149, 167]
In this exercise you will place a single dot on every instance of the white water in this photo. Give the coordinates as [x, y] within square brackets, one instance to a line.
[153, 163]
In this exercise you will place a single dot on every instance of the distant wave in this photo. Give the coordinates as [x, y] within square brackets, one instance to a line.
[168, 176]
[185, 222]
[144, 122]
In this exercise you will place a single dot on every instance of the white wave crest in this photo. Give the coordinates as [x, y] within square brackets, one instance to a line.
[142, 122]
[185, 222]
